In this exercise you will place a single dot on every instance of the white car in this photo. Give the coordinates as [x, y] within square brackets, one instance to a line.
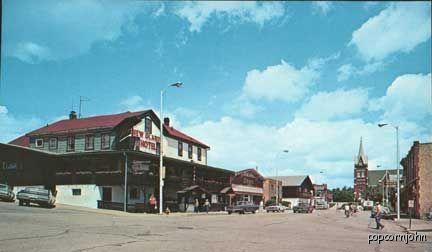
[275, 208]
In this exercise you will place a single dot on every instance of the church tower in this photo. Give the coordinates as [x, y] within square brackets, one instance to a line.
[360, 173]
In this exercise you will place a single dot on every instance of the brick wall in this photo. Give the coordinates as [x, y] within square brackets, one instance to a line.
[425, 178]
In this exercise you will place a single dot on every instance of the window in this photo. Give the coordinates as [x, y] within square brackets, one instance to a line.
[148, 125]
[71, 143]
[105, 141]
[199, 154]
[134, 193]
[39, 143]
[89, 142]
[180, 149]
[76, 192]
[53, 143]
[190, 151]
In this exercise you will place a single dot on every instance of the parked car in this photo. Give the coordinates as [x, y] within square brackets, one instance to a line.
[321, 204]
[243, 207]
[303, 207]
[6, 193]
[42, 197]
[275, 208]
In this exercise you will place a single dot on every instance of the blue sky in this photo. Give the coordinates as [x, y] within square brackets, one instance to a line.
[311, 77]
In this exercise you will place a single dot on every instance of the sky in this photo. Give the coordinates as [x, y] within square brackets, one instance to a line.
[259, 78]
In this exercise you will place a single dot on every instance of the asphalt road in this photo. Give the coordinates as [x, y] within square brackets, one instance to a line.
[78, 229]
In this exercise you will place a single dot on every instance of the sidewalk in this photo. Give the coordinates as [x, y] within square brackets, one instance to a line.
[417, 225]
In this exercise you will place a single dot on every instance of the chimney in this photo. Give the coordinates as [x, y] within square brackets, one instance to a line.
[166, 121]
[72, 115]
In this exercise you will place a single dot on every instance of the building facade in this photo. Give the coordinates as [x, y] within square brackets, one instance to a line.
[360, 173]
[247, 185]
[417, 169]
[88, 161]
[295, 188]
[272, 189]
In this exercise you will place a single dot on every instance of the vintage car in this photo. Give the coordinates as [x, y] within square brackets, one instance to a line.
[275, 208]
[40, 196]
[243, 207]
[303, 207]
[6, 193]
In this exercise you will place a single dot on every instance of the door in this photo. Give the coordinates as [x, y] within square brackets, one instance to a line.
[106, 193]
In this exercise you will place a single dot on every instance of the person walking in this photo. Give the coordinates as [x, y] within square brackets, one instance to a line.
[196, 206]
[207, 205]
[347, 210]
[378, 216]
[152, 202]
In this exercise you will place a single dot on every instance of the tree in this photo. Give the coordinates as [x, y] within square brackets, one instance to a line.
[345, 194]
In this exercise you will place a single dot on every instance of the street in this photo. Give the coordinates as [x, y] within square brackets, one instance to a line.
[67, 228]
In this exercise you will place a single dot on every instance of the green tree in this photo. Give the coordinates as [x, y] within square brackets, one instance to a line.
[345, 194]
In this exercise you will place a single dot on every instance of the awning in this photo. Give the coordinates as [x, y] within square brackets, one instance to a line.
[227, 190]
[247, 189]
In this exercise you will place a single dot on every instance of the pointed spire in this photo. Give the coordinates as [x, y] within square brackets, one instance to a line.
[361, 154]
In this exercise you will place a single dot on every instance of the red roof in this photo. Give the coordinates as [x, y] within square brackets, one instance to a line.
[94, 123]
[180, 135]
[23, 141]
[88, 123]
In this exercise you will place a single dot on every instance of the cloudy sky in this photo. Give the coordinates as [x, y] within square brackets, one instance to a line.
[258, 78]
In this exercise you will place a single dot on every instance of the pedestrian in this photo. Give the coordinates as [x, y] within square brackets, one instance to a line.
[378, 216]
[347, 210]
[207, 205]
[196, 206]
[153, 203]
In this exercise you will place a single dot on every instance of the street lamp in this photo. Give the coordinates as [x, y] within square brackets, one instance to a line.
[397, 166]
[161, 173]
[277, 181]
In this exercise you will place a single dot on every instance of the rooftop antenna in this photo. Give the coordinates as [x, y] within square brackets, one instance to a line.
[82, 99]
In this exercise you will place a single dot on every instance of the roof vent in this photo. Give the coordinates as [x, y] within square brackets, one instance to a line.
[72, 115]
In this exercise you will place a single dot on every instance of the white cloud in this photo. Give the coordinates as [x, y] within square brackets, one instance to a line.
[12, 127]
[280, 82]
[31, 52]
[407, 98]
[345, 72]
[198, 13]
[348, 71]
[54, 30]
[322, 6]
[398, 28]
[334, 105]
[328, 146]
[243, 106]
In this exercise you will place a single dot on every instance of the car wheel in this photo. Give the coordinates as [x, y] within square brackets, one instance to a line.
[268, 211]
[253, 212]
[229, 212]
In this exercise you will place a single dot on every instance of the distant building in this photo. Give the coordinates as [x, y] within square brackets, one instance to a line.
[271, 188]
[295, 188]
[246, 185]
[417, 168]
[360, 173]
[322, 192]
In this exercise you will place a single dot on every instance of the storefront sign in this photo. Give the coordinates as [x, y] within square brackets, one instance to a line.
[146, 140]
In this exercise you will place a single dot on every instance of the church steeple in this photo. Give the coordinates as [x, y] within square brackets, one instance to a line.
[361, 157]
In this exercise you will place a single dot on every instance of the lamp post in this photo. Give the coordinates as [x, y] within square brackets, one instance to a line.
[397, 167]
[277, 181]
[161, 170]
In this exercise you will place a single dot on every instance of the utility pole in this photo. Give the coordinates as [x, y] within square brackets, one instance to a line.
[125, 183]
